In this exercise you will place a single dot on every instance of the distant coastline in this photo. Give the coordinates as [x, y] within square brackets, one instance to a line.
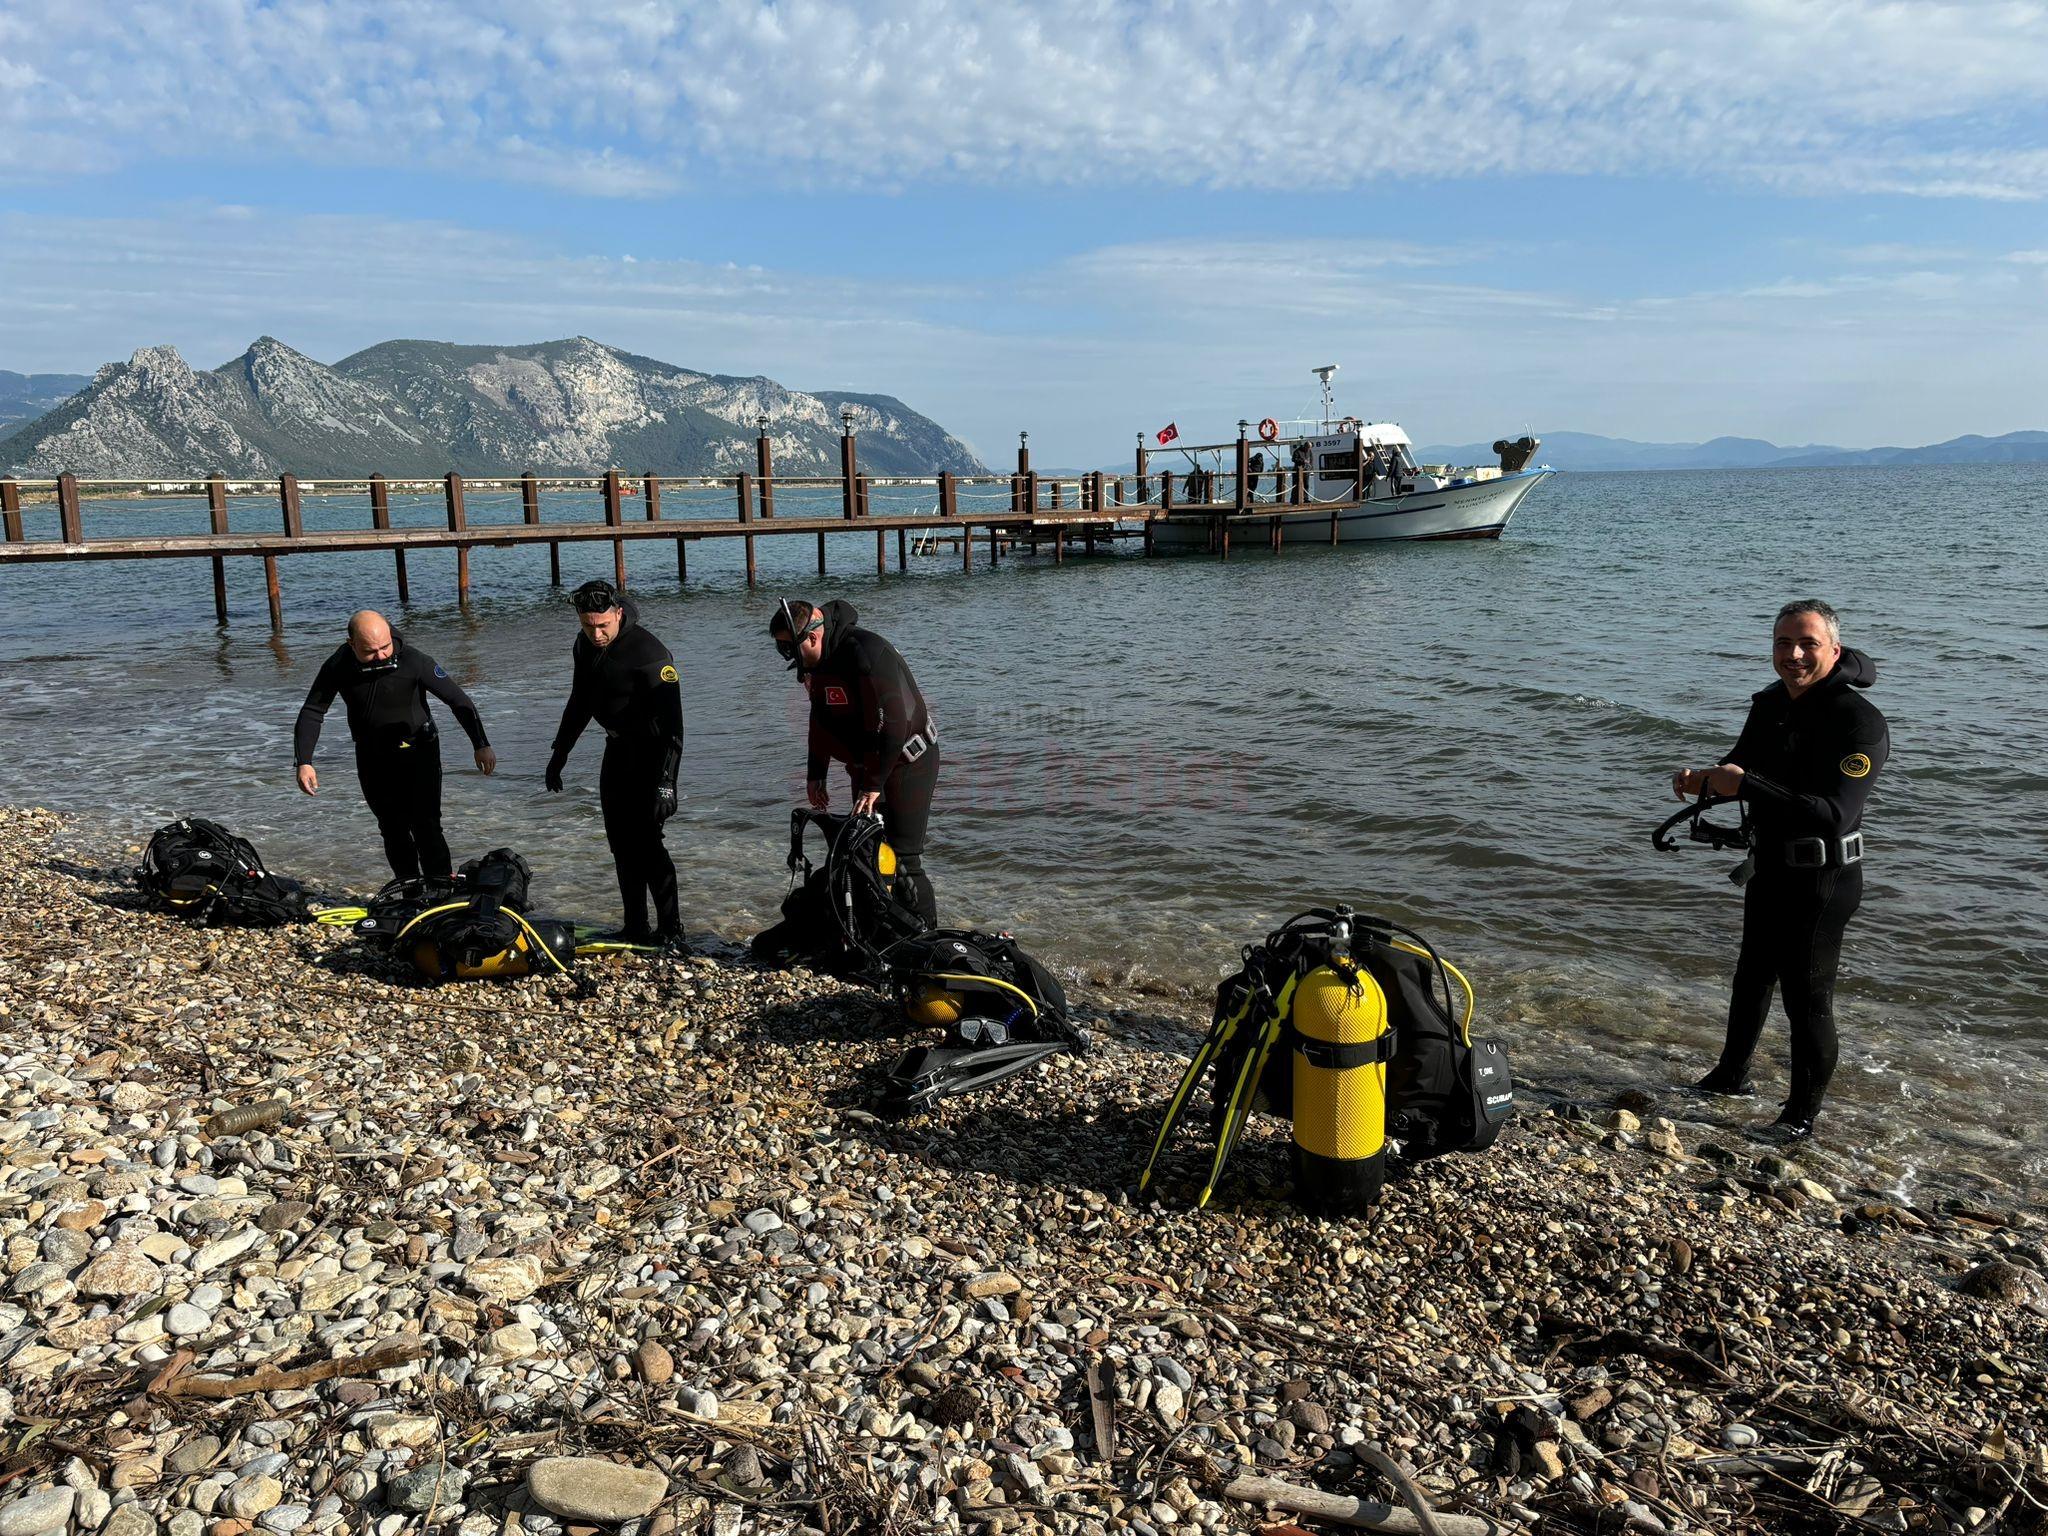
[1587, 451]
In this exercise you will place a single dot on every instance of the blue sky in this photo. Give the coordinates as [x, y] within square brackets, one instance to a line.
[1806, 222]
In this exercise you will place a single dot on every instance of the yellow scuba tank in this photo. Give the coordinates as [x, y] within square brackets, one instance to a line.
[541, 945]
[1341, 1045]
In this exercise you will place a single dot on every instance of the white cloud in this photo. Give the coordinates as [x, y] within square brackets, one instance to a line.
[628, 97]
[1086, 351]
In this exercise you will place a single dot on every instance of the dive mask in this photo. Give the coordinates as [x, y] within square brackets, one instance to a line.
[786, 645]
[598, 596]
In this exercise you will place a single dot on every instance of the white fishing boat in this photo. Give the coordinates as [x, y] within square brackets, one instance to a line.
[1336, 479]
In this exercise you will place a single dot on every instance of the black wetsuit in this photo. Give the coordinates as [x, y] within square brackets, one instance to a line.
[1808, 766]
[867, 713]
[398, 750]
[630, 688]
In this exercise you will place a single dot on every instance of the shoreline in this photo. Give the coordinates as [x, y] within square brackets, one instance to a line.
[659, 1224]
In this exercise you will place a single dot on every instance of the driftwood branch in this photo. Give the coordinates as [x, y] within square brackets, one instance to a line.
[1365, 1514]
[269, 1378]
[1102, 1406]
[1395, 1473]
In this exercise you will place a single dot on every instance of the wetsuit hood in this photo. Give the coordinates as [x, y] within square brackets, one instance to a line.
[840, 616]
[1855, 669]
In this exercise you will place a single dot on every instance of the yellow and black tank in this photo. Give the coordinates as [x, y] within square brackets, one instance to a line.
[1340, 1045]
[460, 942]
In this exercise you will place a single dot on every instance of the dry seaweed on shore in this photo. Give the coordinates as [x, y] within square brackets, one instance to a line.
[507, 1258]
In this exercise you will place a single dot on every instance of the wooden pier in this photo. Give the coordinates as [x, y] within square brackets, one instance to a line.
[1003, 513]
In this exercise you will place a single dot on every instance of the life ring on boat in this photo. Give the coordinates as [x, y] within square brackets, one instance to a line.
[1269, 429]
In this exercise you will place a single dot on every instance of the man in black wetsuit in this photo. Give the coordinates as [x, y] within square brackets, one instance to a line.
[625, 679]
[384, 684]
[1803, 766]
[867, 713]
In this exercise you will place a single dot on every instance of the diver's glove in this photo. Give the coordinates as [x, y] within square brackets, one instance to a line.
[664, 803]
[553, 778]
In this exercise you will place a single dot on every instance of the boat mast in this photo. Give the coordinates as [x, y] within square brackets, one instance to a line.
[1329, 400]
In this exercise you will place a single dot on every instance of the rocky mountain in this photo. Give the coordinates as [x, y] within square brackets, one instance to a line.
[25, 396]
[423, 408]
[1586, 451]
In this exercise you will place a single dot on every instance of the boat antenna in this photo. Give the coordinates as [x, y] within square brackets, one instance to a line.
[1329, 400]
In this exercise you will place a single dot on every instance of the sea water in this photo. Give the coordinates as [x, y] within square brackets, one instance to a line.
[1150, 762]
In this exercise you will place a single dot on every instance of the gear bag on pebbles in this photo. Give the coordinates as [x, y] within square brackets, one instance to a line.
[199, 869]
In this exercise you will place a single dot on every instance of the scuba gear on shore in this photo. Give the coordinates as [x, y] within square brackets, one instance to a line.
[848, 915]
[199, 869]
[1001, 1009]
[1336, 1023]
[842, 912]
[472, 926]
[470, 941]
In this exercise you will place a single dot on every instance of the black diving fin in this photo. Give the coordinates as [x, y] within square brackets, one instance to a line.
[925, 1074]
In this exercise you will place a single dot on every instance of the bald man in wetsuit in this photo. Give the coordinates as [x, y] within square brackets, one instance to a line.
[383, 683]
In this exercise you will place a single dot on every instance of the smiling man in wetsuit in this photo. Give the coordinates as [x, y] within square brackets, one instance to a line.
[867, 713]
[383, 683]
[1803, 767]
[625, 679]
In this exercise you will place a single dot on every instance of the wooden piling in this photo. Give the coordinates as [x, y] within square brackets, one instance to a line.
[764, 465]
[10, 513]
[1358, 480]
[949, 494]
[966, 549]
[70, 523]
[902, 551]
[1148, 536]
[615, 517]
[1059, 545]
[288, 501]
[274, 592]
[217, 520]
[1333, 524]
[529, 511]
[1031, 493]
[849, 483]
[744, 491]
[1166, 491]
[821, 554]
[1242, 497]
[380, 519]
[458, 520]
[650, 495]
[1144, 480]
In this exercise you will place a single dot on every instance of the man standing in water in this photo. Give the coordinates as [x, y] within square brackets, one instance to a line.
[866, 712]
[1803, 767]
[384, 685]
[625, 679]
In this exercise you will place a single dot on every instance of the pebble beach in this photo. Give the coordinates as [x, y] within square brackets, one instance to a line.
[295, 1245]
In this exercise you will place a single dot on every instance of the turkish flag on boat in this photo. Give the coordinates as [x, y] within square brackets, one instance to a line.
[1168, 433]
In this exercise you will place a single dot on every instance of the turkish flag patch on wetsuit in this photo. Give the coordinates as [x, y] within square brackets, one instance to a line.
[835, 698]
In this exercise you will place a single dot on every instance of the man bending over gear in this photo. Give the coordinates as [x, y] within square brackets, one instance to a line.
[1804, 766]
[625, 679]
[383, 684]
[867, 713]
